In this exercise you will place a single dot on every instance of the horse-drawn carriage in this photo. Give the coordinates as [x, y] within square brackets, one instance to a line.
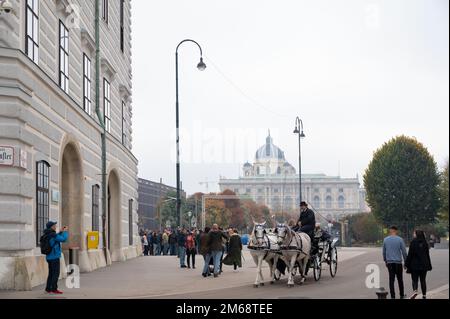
[282, 248]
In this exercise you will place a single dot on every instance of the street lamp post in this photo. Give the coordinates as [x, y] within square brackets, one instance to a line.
[299, 130]
[201, 66]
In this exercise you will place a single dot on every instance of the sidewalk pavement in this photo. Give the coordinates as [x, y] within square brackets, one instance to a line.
[151, 276]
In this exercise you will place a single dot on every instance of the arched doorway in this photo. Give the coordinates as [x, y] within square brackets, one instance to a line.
[114, 217]
[72, 190]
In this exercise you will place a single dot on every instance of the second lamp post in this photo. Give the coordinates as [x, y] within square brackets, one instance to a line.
[299, 130]
[201, 66]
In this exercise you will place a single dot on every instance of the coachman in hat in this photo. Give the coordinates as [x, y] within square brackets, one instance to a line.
[307, 220]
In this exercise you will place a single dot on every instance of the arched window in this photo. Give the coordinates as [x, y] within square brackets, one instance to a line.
[328, 202]
[279, 170]
[42, 197]
[257, 170]
[341, 201]
[316, 202]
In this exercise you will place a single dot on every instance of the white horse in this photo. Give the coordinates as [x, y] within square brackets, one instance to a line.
[295, 248]
[262, 246]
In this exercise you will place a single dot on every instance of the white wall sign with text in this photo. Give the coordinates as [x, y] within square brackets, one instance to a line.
[6, 155]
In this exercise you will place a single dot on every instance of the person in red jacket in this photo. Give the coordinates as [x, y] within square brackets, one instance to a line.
[191, 250]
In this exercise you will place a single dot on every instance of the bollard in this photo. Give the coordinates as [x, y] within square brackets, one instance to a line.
[382, 293]
[73, 257]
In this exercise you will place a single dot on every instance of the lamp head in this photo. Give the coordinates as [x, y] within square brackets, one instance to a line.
[296, 131]
[201, 65]
[302, 134]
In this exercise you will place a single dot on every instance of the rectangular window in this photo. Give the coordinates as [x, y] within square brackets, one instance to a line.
[95, 207]
[130, 222]
[32, 30]
[87, 83]
[107, 104]
[248, 191]
[122, 30]
[328, 190]
[105, 10]
[124, 125]
[63, 57]
[341, 190]
[42, 198]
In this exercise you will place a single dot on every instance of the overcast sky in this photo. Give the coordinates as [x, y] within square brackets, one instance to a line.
[357, 72]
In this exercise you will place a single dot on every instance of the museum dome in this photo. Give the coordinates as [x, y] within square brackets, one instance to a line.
[269, 151]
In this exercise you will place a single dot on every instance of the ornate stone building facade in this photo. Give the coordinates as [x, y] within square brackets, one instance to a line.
[49, 124]
[273, 181]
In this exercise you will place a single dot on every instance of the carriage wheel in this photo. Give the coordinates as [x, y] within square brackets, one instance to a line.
[317, 268]
[333, 261]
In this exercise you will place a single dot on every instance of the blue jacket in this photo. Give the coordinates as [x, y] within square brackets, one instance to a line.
[393, 250]
[55, 242]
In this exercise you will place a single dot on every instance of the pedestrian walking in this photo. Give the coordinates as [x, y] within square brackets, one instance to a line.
[181, 241]
[418, 263]
[165, 243]
[191, 250]
[394, 253]
[215, 247]
[234, 255]
[50, 243]
[204, 251]
[145, 244]
[173, 243]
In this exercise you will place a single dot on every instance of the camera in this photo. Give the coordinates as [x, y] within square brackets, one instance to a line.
[6, 6]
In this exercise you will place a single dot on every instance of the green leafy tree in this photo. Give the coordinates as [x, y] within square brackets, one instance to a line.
[401, 183]
[443, 192]
[168, 210]
[365, 228]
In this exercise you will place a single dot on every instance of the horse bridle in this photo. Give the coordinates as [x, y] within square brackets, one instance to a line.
[292, 237]
[264, 236]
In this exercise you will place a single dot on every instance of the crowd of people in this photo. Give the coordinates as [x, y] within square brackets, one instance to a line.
[216, 245]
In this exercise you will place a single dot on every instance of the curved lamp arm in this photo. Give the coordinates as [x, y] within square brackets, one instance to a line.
[189, 40]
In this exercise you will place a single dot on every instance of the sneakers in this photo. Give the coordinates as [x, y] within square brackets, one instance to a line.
[204, 275]
[424, 297]
[414, 295]
[216, 275]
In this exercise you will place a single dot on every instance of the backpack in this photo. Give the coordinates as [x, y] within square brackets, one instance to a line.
[44, 242]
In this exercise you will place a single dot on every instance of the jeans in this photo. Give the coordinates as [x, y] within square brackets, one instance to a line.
[415, 275]
[165, 249]
[396, 270]
[53, 275]
[145, 250]
[215, 255]
[173, 249]
[182, 254]
[157, 249]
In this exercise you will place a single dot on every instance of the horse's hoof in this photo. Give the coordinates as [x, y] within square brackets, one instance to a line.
[272, 282]
[255, 286]
[262, 284]
[290, 285]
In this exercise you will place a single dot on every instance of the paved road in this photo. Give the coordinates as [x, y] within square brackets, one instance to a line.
[348, 284]
[161, 277]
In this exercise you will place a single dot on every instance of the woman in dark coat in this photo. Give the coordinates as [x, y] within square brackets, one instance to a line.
[418, 263]
[234, 256]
